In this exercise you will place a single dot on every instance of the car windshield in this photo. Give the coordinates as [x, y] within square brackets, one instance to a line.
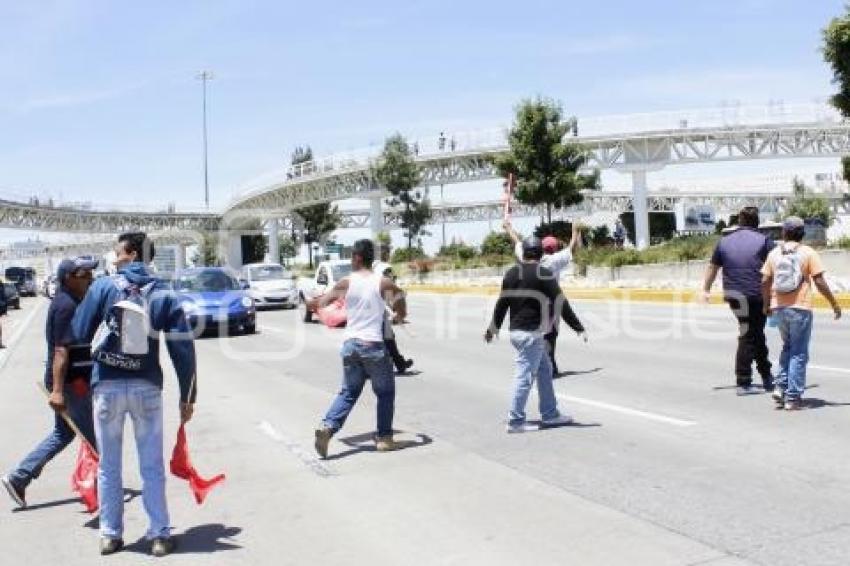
[267, 273]
[206, 281]
[341, 270]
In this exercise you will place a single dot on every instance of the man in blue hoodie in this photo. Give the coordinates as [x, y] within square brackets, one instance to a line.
[127, 380]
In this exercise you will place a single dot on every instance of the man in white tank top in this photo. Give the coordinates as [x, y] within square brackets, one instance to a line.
[364, 355]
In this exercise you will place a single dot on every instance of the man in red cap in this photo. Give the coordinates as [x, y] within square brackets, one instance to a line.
[556, 257]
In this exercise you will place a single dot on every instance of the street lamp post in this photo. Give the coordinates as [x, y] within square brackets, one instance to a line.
[204, 77]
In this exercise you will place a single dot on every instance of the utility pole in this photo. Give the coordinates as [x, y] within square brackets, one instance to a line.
[204, 77]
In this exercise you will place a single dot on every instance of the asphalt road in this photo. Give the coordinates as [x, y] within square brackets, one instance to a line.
[665, 466]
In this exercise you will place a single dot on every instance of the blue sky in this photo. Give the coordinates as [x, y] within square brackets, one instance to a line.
[99, 100]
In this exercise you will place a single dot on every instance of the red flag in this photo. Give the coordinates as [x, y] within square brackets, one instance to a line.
[181, 466]
[84, 478]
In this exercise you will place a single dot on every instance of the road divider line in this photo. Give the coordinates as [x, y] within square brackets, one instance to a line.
[626, 411]
[13, 341]
[313, 464]
[828, 368]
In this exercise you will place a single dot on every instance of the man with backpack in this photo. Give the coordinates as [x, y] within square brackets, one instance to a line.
[790, 273]
[740, 255]
[66, 377]
[122, 316]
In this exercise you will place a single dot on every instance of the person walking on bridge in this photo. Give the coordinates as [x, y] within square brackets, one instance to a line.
[66, 377]
[528, 291]
[741, 255]
[364, 355]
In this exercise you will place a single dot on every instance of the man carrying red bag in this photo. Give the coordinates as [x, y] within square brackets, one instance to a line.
[67, 378]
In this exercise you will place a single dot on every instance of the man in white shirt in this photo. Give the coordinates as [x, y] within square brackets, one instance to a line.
[556, 258]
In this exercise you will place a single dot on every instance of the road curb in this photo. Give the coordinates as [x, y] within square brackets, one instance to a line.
[673, 296]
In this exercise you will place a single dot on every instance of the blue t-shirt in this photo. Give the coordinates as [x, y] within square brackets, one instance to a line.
[59, 333]
[741, 255]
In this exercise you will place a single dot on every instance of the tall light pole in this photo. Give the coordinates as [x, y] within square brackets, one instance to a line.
[204, 77]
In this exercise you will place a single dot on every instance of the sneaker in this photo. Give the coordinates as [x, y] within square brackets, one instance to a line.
[323, 438]
[793, 404]
[408, 364]
[742, 390]
[562, 419]
[520, 428]
[110, 545]
[17, 494]
[385, 444]
[163, 546]
[778, 397]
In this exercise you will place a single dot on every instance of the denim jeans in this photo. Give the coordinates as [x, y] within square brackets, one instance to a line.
[362, 361]
[795, 327]
[80, 410]
[532, 360]
[142, 400]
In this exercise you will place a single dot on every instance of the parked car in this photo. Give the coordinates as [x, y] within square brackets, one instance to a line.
[49, 286]
[213, 299]
[13, 298]
[328, 273]
[270, 285]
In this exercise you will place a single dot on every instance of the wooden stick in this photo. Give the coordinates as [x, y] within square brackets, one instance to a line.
[67, 418]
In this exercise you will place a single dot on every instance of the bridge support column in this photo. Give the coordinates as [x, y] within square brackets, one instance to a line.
[273, 255]
[233, 257]
[376, 216]
[641, 212]
[179, 257]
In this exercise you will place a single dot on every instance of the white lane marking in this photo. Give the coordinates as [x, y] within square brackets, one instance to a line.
[827, 368]
[626, 410]
[312, 463]
[13, 342]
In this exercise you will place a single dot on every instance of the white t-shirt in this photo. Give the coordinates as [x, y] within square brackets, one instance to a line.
[364, 308]
[556, 262]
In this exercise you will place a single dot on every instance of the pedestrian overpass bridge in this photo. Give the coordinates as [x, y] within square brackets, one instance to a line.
[635, 145]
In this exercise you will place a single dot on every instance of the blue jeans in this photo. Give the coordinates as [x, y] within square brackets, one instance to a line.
[80, 411]
[114, 399]
[795, 327]
[362, 361]
[532, 360]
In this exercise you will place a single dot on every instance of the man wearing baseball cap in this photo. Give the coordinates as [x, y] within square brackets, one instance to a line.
[789, 276]
[556, 257]
[66, 377]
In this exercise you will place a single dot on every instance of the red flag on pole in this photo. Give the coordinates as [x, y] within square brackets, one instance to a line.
[84, 478]
[181, 466]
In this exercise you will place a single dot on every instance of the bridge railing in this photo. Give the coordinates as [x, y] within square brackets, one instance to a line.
[38, 199]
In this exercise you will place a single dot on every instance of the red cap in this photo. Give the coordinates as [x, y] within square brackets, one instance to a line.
[550, 244]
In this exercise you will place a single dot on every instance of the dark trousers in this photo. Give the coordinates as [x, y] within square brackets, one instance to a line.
[398, 360]
[551, 339]
[752, 345]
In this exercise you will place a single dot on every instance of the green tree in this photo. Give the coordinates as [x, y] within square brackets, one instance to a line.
[545, 164]
[810, 207]
[836, 52]
[319, 219]
[497, 244]
[662, 225]
[209, 251]
[398, 173]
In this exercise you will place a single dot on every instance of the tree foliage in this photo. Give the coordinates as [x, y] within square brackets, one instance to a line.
[546, 165]
[497, 244]
[398, 173]
[662, 225]
[836, 52]
[810, 207]
[319, 219]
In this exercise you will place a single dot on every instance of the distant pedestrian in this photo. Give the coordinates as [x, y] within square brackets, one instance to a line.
[364, 355]
[4, 309]
[66, 376]
[383, 267]
[740, 255]
[441, 142]
[528, 292]
[619, 234]
[453, 143]
[791, 273]
[556, 258]
[416, 148]
[123, 317]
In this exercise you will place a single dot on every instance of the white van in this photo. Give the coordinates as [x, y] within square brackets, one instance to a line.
[270, 285]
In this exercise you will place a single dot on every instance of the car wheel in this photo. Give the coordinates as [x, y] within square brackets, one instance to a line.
[18, 304]
[249, 328]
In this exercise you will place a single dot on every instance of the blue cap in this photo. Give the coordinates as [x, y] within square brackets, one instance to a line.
[72, 264]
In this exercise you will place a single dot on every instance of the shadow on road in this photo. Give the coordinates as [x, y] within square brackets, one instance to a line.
[574, 424]
[366, 443]
[202, 539]
[815, 403]
[129, 495]
[570, 373]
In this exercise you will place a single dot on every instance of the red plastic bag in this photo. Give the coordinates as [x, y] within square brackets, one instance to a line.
[84, 478]
[334, 315]
[181, 466]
